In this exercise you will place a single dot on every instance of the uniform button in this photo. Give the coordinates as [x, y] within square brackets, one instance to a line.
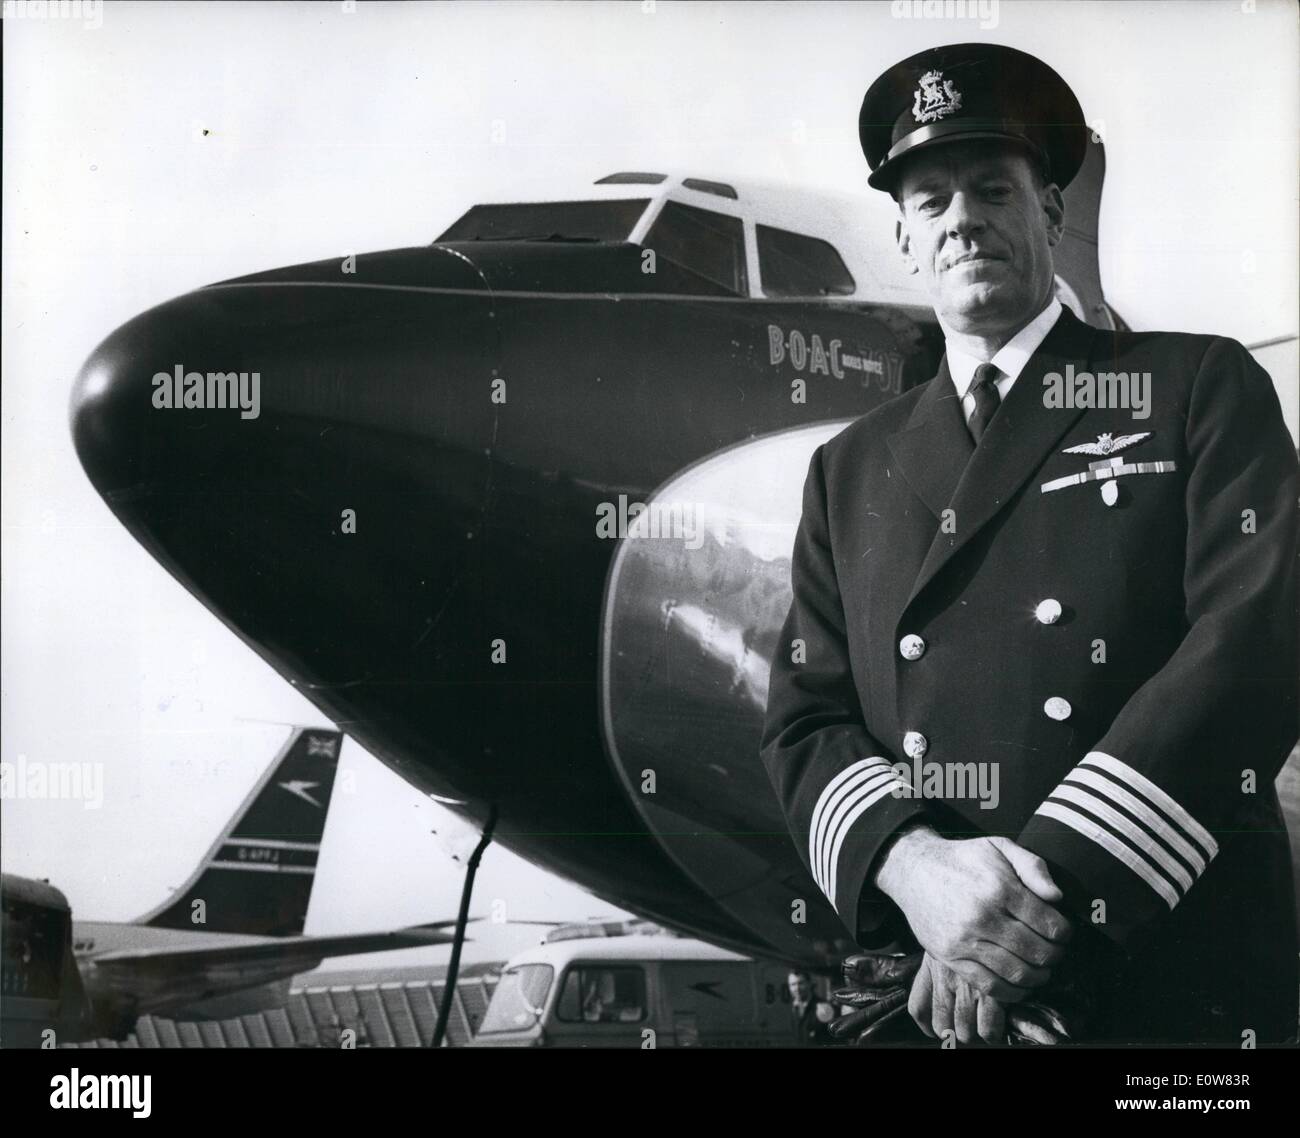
[1110, 492]
[911, 647]
[1057, 708]
[1048, 611]
[915, 745]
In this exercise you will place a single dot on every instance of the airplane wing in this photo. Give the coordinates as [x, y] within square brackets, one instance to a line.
[302, 947]
[174, 975]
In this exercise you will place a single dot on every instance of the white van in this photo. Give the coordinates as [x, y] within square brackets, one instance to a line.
[637, 991]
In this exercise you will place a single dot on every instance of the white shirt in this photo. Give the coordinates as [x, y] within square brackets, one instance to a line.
[1010, 359]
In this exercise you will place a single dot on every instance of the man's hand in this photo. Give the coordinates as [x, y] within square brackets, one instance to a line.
[982, 906]
[942, 1001]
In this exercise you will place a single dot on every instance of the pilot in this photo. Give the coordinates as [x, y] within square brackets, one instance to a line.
[1039, 671]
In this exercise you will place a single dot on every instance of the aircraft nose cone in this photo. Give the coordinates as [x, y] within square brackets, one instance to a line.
[111, 404]
[309, 460]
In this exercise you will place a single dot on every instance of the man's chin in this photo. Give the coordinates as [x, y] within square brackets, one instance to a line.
[982, 308]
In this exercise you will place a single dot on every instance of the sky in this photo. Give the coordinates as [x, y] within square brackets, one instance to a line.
[179, 144]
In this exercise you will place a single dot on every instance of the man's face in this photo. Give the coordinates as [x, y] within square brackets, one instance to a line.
[978, 228]
[800, 988]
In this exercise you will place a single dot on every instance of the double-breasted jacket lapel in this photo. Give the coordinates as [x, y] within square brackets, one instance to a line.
[934, 447]
[936, 456]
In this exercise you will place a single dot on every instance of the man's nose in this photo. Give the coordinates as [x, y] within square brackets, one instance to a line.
[964, 216]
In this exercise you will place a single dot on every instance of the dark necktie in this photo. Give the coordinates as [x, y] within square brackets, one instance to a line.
[985, 389]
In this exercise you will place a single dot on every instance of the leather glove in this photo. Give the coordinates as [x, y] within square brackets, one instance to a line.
[877, 986]
[1072, 1006]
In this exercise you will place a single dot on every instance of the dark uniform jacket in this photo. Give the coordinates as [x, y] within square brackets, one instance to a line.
[1136, 721]
[810, 1028]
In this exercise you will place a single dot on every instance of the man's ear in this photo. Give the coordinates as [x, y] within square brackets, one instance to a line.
[1054, 210]
[904, 241]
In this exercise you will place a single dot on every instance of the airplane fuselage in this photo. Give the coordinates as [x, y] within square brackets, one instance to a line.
[409, 529]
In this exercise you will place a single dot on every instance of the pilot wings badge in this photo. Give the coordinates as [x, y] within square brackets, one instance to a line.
[1108, 444]
[936, 98]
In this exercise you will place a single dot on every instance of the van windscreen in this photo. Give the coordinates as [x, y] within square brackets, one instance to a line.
[519, 999]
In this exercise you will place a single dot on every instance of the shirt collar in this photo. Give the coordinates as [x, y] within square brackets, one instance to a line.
[1011, 357]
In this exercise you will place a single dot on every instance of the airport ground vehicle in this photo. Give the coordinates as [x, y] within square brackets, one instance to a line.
[640, 990]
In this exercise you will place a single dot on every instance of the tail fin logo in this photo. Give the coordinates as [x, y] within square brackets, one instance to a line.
[299, 787]
[321, 746]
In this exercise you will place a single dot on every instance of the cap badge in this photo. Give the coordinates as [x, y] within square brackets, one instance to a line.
[936, 98]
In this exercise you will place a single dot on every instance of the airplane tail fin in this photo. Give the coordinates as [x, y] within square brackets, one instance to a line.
[258, 874]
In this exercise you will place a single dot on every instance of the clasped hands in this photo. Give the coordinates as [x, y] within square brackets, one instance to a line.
[983, 911]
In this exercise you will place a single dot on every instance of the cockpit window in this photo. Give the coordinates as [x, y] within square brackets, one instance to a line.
[519, 999]
[549, 221]
[631, 178]
[704, 186]
[794, 265]
[710, 244]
